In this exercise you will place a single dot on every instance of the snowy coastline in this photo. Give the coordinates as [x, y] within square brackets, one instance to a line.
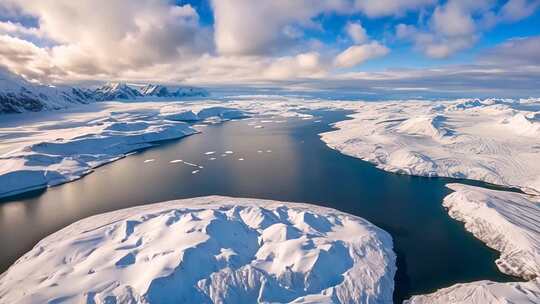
[222, 249]
[64, 146]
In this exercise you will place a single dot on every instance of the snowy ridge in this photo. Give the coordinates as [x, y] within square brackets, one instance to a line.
[17, 95]
[63, 150]
[123, 91]
[492, 141]
[506, 221]
[209, 250]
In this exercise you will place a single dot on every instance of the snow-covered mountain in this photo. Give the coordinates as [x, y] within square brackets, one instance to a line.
[115, 91]
[18, 95]
[162, 91]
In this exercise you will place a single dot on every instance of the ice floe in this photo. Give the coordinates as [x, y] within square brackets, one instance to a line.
[208, 250]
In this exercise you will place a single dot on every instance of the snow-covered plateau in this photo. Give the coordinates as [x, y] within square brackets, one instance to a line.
[208, 250]
[495, 141]
[38, 150]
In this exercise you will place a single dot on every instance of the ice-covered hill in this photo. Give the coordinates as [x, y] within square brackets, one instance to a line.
[209, 250]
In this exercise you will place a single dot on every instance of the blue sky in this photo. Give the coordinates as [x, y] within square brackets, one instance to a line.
[480, 48]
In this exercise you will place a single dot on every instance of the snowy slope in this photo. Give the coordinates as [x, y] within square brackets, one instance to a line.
[506, 221]
[491, 141]
[209, 250]
[18, 95]
[483, 292]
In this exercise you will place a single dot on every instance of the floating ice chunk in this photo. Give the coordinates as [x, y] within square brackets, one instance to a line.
[268, 151]
[209, 152]
[241, 158]
[229, 152]
[194, 171]
[149, 160]
[190, 164]
[212, 158]
[176, 161]
[258, 127]
[260, 151]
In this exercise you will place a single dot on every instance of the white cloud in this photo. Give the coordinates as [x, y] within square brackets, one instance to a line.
[456, 25]
[357, 54]
[246, 27]
[357, 32]
[125, 34]
[514, 10]
[379, 8]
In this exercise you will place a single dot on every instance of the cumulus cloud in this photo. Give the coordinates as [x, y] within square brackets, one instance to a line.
[126, 35]
[514, 10]
[357, 32]
[457, 24]
[246, 27]
[357, 54]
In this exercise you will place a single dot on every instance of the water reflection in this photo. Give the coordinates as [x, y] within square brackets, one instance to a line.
[433, 250]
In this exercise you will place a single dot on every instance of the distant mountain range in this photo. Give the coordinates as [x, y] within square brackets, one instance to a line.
[18, 95]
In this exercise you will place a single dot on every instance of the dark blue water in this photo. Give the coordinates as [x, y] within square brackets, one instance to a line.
[433, 250]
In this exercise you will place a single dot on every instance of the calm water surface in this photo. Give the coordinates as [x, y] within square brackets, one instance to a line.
[433, 250]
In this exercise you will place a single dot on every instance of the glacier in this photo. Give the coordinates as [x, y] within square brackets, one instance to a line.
[209, 250]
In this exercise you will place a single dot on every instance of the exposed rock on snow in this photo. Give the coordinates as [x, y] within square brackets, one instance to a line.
[162, 91]
[116, 90]
[491, 141]
[18, 95]
[209, 250]
[483, 292]
[123, 91]
[506, 221]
